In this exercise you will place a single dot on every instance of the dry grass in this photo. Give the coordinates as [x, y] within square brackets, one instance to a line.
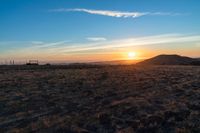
[121, 99]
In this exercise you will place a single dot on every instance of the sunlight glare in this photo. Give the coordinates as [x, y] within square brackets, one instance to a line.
[131, 55]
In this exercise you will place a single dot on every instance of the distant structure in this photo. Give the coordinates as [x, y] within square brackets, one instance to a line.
[47, 64]
[33, 62]
[6, 62]
[12, 62]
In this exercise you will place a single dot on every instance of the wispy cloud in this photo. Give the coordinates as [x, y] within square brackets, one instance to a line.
[118, 14]
[52, 44]
[137, 41]
[96, 39]
[67, 49]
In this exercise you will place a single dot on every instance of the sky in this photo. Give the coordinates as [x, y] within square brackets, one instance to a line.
[97, 30]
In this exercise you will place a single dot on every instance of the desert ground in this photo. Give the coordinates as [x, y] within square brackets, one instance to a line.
[100, 99]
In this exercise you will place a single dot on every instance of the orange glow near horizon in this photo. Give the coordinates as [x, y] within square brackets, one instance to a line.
[130, 54]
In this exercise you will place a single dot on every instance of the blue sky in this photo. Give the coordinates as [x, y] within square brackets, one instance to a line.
[48, 26]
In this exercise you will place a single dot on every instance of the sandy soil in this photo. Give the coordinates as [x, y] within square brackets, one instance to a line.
[110, 99]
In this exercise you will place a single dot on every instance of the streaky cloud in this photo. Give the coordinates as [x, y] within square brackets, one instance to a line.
[64, 48]
[96, 39]
[135, 41]
[118, 14]
[118, 43]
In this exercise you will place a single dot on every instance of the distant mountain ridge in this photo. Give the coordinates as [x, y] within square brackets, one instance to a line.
[170, 60]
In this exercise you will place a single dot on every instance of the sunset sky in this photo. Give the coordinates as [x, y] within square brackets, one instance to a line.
[98, 30]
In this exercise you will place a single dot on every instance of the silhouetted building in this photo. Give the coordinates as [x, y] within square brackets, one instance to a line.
[33, 62]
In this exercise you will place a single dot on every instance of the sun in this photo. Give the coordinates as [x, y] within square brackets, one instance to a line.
[131, 55]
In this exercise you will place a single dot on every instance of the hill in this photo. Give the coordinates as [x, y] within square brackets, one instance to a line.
[169, 60]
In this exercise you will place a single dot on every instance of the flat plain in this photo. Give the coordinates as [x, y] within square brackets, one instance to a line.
[100, 99]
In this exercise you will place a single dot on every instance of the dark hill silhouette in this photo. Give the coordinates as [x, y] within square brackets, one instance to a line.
[169, 60]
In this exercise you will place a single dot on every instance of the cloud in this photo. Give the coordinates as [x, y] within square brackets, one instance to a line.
[135, 41]
[62, 47]
[67, 49]
[96, 39]
[118, 14]
[52, 44]
[103, 12]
